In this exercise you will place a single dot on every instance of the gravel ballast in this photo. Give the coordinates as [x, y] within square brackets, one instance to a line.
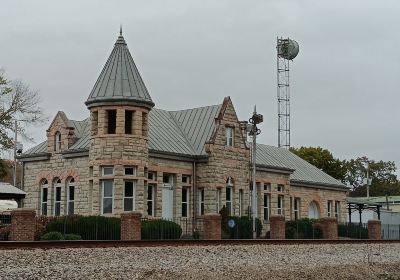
[339, 261]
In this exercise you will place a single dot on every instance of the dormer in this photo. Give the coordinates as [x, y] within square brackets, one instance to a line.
[60, 134]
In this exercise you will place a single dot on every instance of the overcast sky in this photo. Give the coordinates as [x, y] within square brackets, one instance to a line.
[344, 82]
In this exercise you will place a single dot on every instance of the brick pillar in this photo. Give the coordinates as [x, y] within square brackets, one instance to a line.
[212, 226]
[277, 224]
[329, 228]
[374, 229]
[23, 223]
[131, 226]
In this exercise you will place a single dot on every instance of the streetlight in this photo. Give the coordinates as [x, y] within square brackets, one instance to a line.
[367, 181]
[253, 132]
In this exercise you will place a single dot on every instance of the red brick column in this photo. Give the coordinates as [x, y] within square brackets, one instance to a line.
[374, 229]
[212, 226]
[131, 226]
[329, 228]
[277, 224]
[23, 223]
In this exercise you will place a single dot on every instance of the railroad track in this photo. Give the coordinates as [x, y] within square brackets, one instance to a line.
[9, 245]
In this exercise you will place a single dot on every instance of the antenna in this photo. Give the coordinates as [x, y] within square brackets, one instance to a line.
[287, 50]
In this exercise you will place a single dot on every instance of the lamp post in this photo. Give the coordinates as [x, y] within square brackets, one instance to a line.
[254, 131]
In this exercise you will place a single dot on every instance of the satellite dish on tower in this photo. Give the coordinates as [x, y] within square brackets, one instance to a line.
[287, 49]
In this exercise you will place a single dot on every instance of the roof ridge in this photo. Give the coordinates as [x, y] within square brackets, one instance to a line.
[202, 107]
[190, 144]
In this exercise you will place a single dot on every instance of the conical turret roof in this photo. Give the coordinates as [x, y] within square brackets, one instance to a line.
[120, 81]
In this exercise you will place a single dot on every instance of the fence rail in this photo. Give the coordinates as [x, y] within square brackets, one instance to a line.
[390, 232]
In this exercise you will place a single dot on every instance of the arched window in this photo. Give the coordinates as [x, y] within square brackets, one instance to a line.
[313, 210]
[44, 193]
[57, 197]
[229, 195]
[71, 197]
[57, 141]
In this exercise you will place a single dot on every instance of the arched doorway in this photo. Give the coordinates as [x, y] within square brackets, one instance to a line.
[313, 210]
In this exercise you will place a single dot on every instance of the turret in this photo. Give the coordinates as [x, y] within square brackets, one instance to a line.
[119, 106]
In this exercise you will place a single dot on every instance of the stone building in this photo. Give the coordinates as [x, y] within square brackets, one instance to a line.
[129, 155]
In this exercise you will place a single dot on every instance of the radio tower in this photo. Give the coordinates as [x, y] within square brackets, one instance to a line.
[287, 50]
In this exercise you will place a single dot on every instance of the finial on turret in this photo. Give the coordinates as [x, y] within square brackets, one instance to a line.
[120, 30]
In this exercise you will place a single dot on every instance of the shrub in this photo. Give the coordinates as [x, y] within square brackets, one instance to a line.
[303, 229]
[52, 235]
[243, 228]
[160, 229]
[5, 232]
[71, 236]
[352, 231]
[88, 227]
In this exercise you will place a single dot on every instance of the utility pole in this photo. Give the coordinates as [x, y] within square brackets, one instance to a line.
[368, 179]
[15, 153]
[254, 131]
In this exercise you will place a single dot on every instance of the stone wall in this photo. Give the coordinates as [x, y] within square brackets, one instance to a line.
[119, 150]
[55, 168]
[225, 162]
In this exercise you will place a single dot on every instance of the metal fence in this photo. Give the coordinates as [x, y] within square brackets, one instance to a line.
[176, 228]
[78, 227]
[5, 223]
[353, 230]
[390, 232]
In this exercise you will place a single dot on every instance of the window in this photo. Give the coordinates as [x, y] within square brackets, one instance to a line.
[129, 195]
[107, 194]
[280, 205]
[95, 122]
[151, 190]
[152, 176]
[337, 210]
[240, 202]
[144, 124]
[218, 200]
[128, 122]
[229, 137]
[57, 141]
[186, 179]
[296, 208]
[281, 188]
[185, 202]
[71, 197]
[168, 179]
[108, 170]
[267, 187]
[57, 198]
[130, 170]
[111, 121]
[329, 208]
[228, 195]
[201, 201]
[44, 196]
[266, 207]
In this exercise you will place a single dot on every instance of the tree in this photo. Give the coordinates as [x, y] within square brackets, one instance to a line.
[382, 174]
[324, 160]
[17, 102]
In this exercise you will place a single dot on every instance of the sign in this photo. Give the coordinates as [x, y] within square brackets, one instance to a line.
[231, 223]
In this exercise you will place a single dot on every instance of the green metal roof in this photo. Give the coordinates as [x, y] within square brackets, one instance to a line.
[186, 132]
[120, 79]
[304, 172]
